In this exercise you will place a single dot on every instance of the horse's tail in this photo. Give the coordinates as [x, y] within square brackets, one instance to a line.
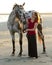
[39, 27]
[39, 38]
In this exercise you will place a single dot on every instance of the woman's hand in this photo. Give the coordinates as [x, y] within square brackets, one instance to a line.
[26, 30]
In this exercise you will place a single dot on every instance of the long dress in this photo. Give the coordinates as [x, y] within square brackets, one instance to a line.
[31, 36]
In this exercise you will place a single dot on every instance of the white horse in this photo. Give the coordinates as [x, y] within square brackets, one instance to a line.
[17, 23]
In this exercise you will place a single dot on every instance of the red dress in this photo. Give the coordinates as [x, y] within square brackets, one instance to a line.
[30, 26]
[31, 36]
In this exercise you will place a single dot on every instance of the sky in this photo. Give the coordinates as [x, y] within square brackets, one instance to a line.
[42, 6]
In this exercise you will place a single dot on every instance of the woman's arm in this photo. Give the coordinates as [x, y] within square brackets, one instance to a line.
[33, 29]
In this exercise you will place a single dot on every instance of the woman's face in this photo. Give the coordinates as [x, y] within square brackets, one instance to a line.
[33, 15]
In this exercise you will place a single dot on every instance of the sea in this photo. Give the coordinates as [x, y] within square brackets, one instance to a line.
[46, 21]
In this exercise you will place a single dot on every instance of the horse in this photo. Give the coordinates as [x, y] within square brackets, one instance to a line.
[17, 23]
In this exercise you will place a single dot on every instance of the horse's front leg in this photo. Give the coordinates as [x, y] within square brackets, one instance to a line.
[13, 43]
[20, 42]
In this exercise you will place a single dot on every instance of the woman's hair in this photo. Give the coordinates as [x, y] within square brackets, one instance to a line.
[36, 14]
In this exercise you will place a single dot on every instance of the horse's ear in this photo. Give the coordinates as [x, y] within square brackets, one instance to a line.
[23, 3]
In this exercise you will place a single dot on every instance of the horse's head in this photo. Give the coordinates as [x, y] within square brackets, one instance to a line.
[19, 9]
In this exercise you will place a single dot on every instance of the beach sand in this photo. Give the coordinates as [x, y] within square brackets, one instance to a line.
[6, 49]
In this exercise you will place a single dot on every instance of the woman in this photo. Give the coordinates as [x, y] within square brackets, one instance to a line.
[31, 35]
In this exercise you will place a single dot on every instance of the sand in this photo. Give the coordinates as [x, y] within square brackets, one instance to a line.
[6, 49]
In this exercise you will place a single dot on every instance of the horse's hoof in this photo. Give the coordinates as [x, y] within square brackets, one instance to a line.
[20, 54]
[43, 52]
[13, 54]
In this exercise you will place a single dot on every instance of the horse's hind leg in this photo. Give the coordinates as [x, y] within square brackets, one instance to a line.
[44, 49]
[13, 43]
[20, 42]
[40, 34]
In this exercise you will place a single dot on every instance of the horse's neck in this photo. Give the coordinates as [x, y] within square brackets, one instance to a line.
[11, 17]
[12, 13]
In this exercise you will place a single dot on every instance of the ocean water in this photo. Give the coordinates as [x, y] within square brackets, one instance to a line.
[3, 18]
[46, 21]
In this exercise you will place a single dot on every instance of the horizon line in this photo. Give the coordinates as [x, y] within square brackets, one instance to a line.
[40, 13]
